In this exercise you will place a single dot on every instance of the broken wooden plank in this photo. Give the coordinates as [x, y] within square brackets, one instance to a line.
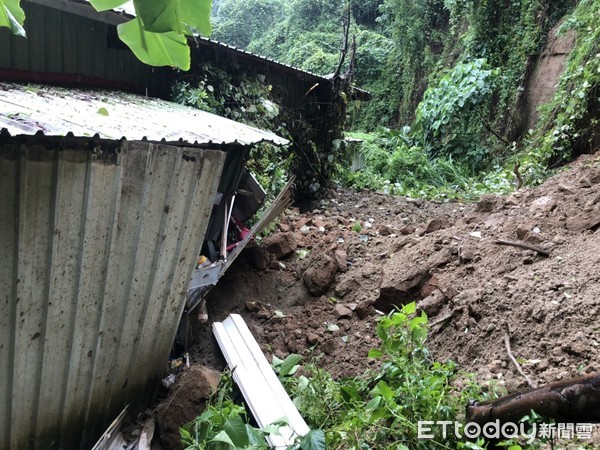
[267, 399]
[281, 202]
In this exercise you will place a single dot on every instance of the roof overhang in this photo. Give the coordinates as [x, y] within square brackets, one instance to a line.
[56, 111]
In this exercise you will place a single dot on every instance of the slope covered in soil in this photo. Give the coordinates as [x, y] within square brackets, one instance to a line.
[317, 285]
[321, 270]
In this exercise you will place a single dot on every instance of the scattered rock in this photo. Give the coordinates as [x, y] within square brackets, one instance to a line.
[345, 285]
[543, 204]
[402, 280]
[408, 229]
[433, 303]
[436, 224]
[257, 256]
[312, 339]
[330, 346]
[341, 259]
[486, 203]
[385, 230]
[342, 311]
[320, 272]
[280, 244]
[364, 309]
[584, 221]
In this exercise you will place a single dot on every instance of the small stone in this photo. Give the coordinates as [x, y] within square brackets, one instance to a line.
[495, 366]
[405, 231]
[341, 259]
[543, 204]
[329, 347]
[280, 244]
[342, 311]
[436, 224]
[385, 230]
[466, 254]
[312, 339]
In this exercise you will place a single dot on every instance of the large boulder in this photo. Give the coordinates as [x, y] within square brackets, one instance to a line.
[318, 271]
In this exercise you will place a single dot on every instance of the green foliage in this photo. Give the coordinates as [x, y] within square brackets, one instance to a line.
[224, 426]
[239, 22]
[245, 99]
[510, 36]
[448, 119]
[396, 166]
[222, 422]
[381, 409]
[156, 49]
[12, 16]
[418, 30]
[287, 366]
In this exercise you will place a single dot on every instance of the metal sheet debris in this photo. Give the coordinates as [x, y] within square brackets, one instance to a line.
[264, 393]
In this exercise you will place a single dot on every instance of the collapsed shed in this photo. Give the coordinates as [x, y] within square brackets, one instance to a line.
[106, 197]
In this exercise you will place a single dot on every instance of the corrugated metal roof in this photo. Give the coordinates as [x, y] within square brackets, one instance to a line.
[114, 115]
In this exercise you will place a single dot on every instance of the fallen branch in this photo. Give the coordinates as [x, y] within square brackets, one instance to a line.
[574, 400]
[530, 382]
[523, 245]
[442, 319]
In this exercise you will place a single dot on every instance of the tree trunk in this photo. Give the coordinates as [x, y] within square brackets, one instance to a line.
[575, 400]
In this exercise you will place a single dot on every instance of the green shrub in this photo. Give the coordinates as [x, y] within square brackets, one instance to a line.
[450, 116]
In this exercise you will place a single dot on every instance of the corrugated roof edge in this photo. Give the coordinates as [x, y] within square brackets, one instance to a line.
[360, 94]
[110, 143]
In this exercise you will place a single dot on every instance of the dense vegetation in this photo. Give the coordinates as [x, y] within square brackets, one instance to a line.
[448, 79]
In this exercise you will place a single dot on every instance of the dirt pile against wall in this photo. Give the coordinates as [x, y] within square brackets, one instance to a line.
[368, 252]
[375, 252]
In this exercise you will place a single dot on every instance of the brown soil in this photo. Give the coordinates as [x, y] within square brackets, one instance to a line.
[442, 255]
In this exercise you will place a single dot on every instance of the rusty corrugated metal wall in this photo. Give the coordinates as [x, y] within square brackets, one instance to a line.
[98, 247]
[61, 46]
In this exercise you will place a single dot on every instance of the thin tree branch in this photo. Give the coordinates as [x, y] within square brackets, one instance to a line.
[530, 382]
[523, 245]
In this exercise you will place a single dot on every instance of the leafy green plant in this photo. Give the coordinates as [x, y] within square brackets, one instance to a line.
[381, 409]
[449, 112]
[246, 99]
[569, 120]
[224, 425]
[395, 165]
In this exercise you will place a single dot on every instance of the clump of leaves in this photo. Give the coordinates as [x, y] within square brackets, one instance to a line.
[570, 121]
[451, 112]
[382, 408]
[224, 424]
[395, 165]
